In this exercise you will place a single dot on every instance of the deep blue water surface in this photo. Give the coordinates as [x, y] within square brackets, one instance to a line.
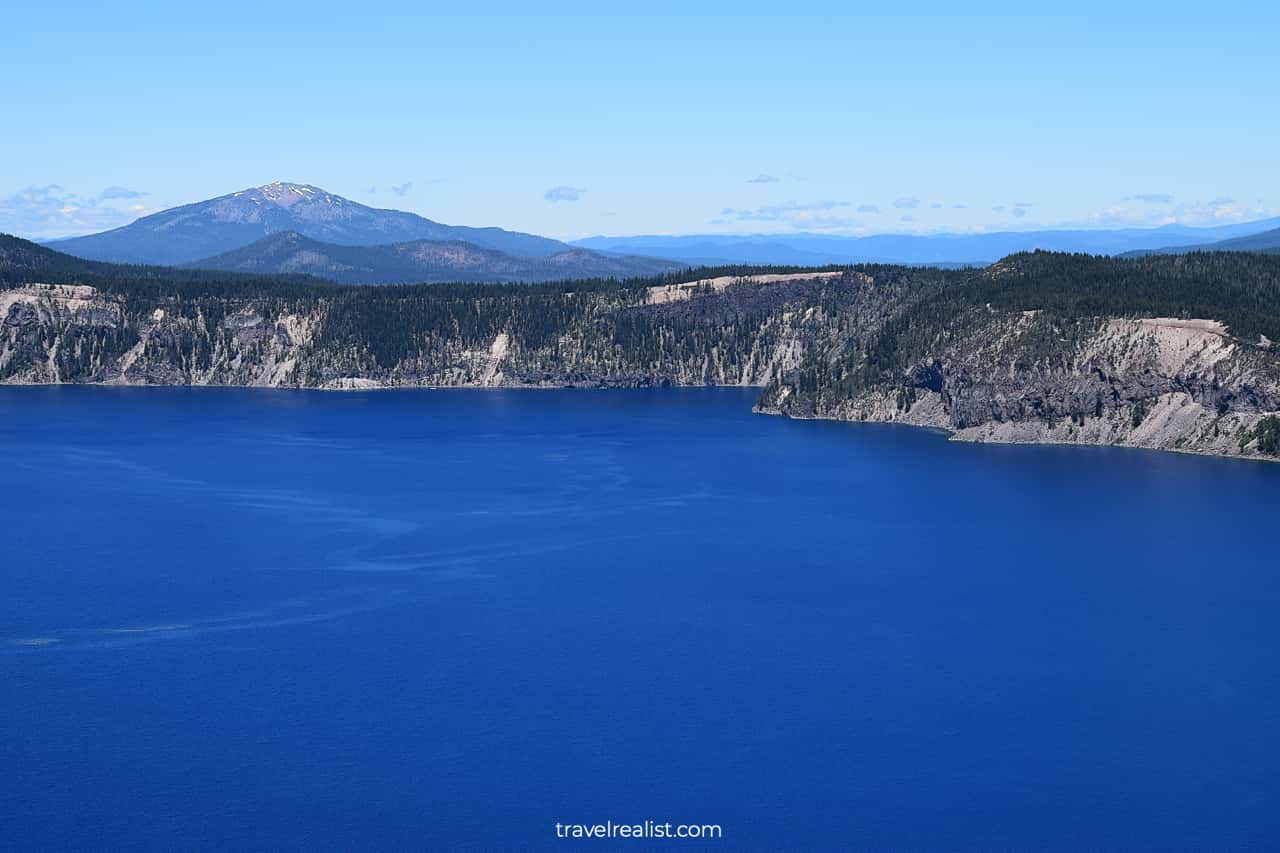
[447, 620]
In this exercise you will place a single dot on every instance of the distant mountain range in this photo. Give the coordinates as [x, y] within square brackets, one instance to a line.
[422, 261]
[299, 228]
[942, 249]
[280, 228]
[184, 234]
[1267, 241]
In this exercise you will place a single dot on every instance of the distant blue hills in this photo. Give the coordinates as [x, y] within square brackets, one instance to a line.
[423, 261]
[1266, 241]
[948, 249]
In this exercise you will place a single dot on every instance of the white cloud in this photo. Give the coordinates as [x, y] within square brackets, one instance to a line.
[120, 192]
[402, 189]
[907, 203]
[564, 193]
[763, 179]
[868, 208]
[812, 214]
[52, 210]
[1132, 212]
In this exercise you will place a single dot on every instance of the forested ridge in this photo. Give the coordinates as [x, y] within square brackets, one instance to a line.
[1240, 289]
[1070, 292]
[1026, 330]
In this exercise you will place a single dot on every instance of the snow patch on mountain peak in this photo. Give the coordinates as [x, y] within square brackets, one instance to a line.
[287, 195]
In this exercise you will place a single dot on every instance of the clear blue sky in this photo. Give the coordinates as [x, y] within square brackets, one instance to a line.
[571, 119]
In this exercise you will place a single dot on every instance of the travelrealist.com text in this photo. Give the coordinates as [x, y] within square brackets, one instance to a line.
[647, 829]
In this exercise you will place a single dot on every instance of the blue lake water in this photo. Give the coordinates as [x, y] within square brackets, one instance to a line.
[279, 620]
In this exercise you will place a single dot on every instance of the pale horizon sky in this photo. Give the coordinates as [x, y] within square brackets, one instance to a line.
[573, 119]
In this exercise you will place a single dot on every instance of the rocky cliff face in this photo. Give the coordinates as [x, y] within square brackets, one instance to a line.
[815, 342]
[74, 333]
[1161, 383]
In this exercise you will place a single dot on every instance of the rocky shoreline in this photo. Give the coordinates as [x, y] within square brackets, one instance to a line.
[1092, 433]
[804, 339]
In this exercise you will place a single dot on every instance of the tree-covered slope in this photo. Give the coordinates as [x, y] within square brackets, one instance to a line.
[1165, 351]
[1267, 241]
[421, 261]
